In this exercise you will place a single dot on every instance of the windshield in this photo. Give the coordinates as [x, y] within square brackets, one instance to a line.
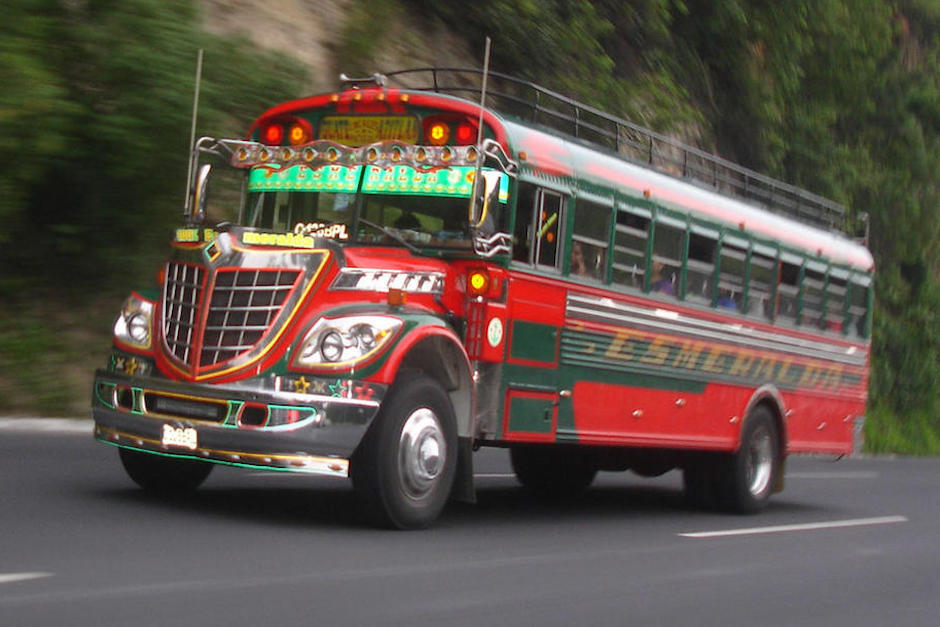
[428, 207]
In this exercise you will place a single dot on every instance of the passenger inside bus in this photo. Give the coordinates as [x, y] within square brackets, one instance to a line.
[579, 266]
[407, 220]
[726, 300]
[659, 281]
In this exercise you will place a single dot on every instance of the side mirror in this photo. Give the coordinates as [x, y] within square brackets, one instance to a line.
[201, 192]
[486, 196]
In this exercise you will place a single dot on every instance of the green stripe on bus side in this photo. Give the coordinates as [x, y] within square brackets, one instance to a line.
[694, 363]
[533, 341]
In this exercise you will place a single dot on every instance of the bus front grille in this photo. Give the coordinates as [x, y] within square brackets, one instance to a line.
[242, 307]
[182, 293]
[232, 319]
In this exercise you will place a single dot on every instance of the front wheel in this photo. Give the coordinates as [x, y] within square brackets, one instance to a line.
[404, 469]
[164, 475]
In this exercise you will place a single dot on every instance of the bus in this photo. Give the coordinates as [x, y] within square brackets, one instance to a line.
[385, 279]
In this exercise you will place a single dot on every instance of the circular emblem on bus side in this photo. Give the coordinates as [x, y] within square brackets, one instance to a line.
[494, 332]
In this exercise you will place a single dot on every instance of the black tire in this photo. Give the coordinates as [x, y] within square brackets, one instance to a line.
[748, 477]
[404, 469]
[740, 482]
[164, 475]
[551, 471]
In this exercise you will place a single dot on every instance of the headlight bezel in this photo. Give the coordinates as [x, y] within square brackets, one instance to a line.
[133, 327]
[349, 341]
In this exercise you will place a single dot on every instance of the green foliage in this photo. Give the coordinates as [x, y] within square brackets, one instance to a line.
[839, 96]
[96, 106]
[568, 46]
[48, 356]
[95, 110]
[905, 376]
[915, 433]
[362, 34]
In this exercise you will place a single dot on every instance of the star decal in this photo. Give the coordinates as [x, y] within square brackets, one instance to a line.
[338, 389]
[301, 385]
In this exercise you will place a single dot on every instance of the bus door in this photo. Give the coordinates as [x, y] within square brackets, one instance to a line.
[536, 312]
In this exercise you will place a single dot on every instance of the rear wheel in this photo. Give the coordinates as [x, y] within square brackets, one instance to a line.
[550, 471]
[749, 475]
[404, 469]
[743, 481]
[164, 475]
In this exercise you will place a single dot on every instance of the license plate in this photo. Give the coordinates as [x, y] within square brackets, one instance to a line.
[184, 437]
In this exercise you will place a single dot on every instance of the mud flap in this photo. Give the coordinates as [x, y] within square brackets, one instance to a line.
[778, 484]
[463, 490]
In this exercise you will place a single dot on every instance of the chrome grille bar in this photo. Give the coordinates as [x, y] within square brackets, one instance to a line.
[182, 291]
[242, 307]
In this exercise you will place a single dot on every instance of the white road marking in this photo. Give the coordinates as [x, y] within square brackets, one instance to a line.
[848, 474]
[494, 475]
[833, 524]
[13, 577]
[47, 425]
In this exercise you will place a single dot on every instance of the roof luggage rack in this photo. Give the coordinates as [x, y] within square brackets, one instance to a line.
[535, 104]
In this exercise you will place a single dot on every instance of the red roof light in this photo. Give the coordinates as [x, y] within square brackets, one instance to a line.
[273, 135]
[465, 134]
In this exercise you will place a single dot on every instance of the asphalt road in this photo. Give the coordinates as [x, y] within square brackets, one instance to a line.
[853, 542]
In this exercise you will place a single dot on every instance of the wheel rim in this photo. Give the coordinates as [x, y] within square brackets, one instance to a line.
[760, 460]
[421, 453]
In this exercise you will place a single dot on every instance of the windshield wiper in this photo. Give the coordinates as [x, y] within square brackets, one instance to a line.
[392, 234]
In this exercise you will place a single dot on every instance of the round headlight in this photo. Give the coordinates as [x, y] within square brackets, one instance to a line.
[331, 346]
[366, 336]
[138, 327]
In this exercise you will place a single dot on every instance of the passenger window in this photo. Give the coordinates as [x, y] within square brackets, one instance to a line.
[788, 291]
[630, 248]
[731, 277]
[538, 226]
[858, 309]
[700, 271]
[668, 249]
[589, 240]
[812, 296]
[522, 231]
[763, 275]
[836, 292]
[548, 220]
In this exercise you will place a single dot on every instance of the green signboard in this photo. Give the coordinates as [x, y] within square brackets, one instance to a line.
[456, 181]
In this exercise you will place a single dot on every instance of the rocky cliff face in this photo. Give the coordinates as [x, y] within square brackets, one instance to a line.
[317, 33]
[308, 30]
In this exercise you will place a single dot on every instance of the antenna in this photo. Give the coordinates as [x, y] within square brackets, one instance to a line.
[479, 165]
[192, 135]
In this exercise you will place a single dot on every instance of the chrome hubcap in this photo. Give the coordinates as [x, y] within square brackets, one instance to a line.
[421, 452]
[759, 461]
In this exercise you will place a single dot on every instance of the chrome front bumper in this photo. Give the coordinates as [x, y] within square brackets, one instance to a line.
[254, 425]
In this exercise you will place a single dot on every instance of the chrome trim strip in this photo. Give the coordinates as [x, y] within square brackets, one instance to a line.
[300, 462]
[384, 279]
[605, 310]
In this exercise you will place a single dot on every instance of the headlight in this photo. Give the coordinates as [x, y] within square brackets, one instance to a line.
[134, 325]
[334, 342]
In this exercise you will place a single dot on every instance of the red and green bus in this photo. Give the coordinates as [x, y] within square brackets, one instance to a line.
[405, 276]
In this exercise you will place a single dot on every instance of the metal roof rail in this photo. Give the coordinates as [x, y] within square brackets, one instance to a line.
[534, 104]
